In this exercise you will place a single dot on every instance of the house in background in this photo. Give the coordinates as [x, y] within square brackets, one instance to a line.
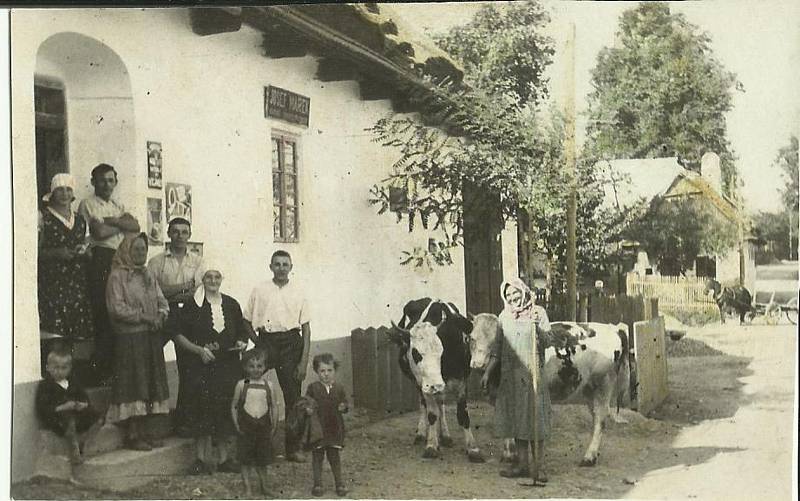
[633, 181]
[259, 114]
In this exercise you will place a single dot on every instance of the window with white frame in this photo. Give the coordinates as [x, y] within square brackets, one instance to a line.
[285, 200]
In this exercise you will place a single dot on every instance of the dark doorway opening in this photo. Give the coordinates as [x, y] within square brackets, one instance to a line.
[51, 132]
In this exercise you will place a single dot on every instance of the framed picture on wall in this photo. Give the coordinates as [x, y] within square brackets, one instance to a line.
[155, 220]
[179, 201]
[154, 165]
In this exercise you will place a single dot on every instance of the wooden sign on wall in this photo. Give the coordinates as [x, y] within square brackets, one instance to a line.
[286, 105]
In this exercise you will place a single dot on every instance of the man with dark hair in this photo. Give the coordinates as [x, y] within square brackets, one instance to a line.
[108, 222]
[277, 318]
[178, 272]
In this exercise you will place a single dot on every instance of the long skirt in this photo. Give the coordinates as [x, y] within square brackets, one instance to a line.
[140, 377]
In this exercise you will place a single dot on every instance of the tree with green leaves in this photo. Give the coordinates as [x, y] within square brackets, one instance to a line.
[511, 148]
[675, 232]
[659, 92]
[503, 50]
[787, 160]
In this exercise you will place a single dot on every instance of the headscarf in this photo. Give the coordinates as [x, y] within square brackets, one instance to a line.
[217, 313]
[519, 312]
[60, 180]
[123, 260]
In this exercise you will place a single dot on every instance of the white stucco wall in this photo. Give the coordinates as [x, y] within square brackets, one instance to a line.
[202, 99]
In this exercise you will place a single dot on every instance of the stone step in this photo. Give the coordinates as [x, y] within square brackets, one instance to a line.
[123, 469]
[109, 438]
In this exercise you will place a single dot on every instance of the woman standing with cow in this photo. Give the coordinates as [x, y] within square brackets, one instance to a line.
[514, 351]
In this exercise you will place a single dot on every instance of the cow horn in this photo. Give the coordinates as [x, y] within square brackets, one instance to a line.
[405, 331]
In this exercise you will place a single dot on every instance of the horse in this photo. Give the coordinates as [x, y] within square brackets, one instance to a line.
[736, 298]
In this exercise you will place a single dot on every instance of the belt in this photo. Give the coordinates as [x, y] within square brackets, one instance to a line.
[263, 332]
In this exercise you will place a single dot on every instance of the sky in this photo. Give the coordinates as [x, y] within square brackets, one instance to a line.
[759, 41]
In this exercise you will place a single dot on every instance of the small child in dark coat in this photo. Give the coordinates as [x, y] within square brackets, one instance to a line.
[62, 404]
[331, 404]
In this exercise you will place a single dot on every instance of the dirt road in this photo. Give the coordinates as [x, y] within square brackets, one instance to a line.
[724, 432]
[759, 435]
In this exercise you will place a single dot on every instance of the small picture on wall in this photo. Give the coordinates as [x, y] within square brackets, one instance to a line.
[154, 165]
[155, 220]
[179, 201]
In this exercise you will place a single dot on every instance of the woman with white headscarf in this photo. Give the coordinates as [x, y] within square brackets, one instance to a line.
[212, 333]
[64, 306]
[514, 417]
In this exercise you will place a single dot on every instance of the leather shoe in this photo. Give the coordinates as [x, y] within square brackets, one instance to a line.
[341, 491]
[317, 491]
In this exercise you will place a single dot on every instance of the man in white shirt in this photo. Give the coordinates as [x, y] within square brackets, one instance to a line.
[178, 272]
[108, 222]
[277, 319]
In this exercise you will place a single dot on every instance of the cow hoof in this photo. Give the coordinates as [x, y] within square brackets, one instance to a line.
[589, 462]
[475, 457]
[446, 442]
[419, 439]
[430, 453]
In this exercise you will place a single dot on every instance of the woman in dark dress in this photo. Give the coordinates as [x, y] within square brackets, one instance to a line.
[64, 307]
[212, 333]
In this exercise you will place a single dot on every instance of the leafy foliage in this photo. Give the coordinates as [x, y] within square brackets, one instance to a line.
[676, 232]
[772, 230]
[659, 91]
[503, 51]
[787, 160]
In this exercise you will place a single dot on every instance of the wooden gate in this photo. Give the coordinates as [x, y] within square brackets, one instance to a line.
[378, 382]
[483, 250]
[651, 363]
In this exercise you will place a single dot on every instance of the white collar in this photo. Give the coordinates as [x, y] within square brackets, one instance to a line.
[68, 222]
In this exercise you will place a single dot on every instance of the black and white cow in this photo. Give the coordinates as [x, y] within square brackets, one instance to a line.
[594, 369]
[434, 353]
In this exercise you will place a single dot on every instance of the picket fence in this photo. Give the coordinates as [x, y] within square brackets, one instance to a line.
[673, 293]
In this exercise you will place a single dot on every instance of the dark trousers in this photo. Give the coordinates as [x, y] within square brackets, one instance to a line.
[171, 329]
[100, 267]
[284, 350]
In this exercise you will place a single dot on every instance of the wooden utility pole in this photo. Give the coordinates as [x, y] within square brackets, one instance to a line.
[572, 202]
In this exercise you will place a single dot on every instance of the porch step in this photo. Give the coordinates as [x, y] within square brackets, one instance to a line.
[122, 469]
[109, 438]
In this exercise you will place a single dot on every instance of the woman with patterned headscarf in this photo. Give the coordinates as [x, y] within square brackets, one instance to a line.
[137, 310]
[514, 417]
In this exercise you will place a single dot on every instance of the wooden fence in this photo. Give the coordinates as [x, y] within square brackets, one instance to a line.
[378, 383]
[673, 293]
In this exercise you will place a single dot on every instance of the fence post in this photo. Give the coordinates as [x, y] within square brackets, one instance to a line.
[583, 302]
[364, 348]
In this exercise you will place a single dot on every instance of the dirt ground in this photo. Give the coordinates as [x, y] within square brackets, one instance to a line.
[381, 461]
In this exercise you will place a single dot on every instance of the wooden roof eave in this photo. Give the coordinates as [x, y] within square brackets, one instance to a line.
[366, 59]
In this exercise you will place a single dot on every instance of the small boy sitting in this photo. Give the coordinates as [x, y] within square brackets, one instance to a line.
[62, 405]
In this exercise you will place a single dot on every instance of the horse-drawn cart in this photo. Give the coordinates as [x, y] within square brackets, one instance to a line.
[777, 306]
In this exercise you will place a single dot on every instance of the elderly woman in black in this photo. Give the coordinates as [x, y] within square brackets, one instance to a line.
[212, 333]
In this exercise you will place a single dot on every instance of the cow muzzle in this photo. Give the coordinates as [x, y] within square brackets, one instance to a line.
[433, 389]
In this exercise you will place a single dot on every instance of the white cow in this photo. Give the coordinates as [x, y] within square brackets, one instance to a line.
[595, 370]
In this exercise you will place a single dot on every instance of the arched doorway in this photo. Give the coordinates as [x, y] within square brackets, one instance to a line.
[84, 110]
[84, 116]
